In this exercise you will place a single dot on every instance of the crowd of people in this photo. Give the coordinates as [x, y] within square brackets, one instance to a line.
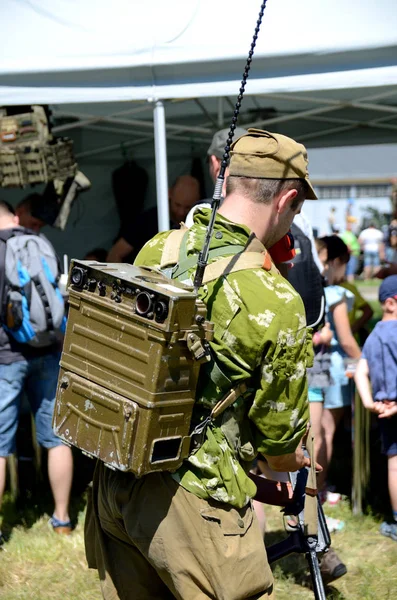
[371, 250]
[145, 535]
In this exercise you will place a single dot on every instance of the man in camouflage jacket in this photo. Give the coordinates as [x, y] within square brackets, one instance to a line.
[193, 534]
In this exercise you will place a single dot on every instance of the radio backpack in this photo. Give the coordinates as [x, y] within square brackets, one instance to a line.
[32, 307]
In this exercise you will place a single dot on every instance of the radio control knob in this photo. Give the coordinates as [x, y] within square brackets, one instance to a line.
[160, 310]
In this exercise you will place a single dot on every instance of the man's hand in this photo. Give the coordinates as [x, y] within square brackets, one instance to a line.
[291, 462]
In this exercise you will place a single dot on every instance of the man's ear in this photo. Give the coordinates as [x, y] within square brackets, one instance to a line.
[214, 166]
[15, 218]
[284, 200]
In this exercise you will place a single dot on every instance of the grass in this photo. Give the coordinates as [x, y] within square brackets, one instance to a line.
[369, 557]
[373, 283]
[38, 565]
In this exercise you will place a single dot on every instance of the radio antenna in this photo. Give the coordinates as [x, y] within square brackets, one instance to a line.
[216, 198]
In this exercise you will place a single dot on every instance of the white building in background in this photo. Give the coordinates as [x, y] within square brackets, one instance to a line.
[358, 177]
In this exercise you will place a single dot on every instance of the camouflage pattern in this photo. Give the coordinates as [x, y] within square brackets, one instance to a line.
[260, 335]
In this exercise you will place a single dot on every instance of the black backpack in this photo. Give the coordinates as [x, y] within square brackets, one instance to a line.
[306, 278]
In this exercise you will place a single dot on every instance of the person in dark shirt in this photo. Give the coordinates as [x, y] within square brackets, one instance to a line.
[182, 196]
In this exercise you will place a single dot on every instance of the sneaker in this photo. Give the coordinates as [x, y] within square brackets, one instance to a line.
[389, 530]
[334, 525]
[61, 527]
[331, 567]
[2, 540]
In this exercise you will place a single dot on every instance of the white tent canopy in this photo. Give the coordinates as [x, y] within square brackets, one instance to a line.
[67, 51]
[324, 71]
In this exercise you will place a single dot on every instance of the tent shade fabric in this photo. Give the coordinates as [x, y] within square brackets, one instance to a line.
[96, 51]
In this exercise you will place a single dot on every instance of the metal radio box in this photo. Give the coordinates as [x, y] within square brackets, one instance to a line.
[130, 365]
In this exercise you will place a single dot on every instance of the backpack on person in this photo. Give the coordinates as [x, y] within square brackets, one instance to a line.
[306, 278]
[32, 308]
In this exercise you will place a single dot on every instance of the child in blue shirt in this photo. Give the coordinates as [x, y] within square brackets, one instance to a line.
[377, 369]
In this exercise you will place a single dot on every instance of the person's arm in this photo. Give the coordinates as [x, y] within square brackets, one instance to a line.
[324, 336]
[119, 251]
[289, 462]
[280, 410]
[363, 384]
[343, 331]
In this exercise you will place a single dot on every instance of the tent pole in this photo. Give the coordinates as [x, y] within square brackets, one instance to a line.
[160, 151]
[220, 112]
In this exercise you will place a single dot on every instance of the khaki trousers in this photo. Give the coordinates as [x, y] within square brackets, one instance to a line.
[152, 540]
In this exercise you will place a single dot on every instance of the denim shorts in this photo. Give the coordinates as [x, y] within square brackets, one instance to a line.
[388, 435]
[352, 265]
[371, 259]
[339, 393]
[37, 377]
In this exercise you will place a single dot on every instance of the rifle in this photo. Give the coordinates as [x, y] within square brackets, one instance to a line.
[298, 497]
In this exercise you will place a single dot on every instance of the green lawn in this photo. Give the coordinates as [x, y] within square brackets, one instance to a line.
[370, 558]
[38, 565]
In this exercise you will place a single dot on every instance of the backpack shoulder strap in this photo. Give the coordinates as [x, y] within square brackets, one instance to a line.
[254, 256]
[5, 235]
[172, 245]
[242, 262]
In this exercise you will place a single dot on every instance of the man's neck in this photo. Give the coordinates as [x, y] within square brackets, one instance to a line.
[6, 225]
[255, 216]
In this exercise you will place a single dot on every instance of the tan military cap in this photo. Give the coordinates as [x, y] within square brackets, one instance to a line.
[264, 155]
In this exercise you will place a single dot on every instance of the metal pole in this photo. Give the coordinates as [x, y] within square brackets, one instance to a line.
[160, 150]
[220, 112]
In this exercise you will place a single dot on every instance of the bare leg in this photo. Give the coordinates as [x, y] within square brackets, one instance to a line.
[316, 413]
[330, 420]
[60, 473]
[392, 478]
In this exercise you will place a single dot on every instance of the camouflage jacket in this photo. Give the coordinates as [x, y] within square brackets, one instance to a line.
[260, 336]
